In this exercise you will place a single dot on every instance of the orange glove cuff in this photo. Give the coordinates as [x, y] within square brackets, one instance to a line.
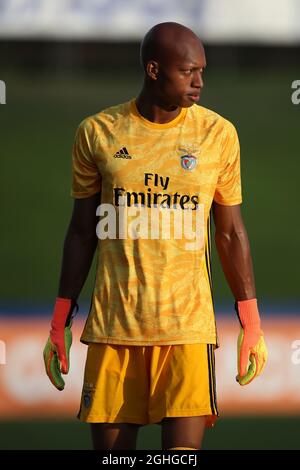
[61, 312]
[247, 311]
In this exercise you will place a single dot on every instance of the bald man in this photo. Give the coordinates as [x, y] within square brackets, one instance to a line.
[151, 331]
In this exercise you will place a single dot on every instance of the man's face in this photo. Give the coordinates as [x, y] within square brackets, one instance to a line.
[179, 79]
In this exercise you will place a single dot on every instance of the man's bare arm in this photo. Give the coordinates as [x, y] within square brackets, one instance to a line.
[79, 247]
[234, 250]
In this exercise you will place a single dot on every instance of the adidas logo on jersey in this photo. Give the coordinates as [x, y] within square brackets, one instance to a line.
[122, 153]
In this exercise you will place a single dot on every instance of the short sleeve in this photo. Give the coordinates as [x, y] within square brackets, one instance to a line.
[86, 179]
[228, 190]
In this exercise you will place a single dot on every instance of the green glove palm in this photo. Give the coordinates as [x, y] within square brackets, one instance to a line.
[57, 350]
[256, 353]
[251, 345]
[53, 364]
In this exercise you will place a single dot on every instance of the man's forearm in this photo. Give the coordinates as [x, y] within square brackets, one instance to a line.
[78, 255]
[235, 257]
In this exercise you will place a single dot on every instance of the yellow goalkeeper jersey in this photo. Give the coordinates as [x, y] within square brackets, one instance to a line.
[153, 281]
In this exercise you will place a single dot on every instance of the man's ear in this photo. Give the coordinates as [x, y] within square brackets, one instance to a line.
[152, 69]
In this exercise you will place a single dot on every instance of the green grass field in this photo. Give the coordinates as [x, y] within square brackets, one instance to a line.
[229, 433]
[37, 130]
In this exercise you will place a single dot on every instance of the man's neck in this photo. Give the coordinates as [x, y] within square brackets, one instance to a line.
[155, 111]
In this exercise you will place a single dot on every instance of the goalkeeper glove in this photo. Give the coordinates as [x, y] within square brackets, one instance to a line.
[57, 349]
[250, 345]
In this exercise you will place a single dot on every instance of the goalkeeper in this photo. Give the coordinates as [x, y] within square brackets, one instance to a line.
[151, 330]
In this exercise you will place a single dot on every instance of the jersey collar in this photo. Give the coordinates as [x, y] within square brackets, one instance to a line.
[156, 125]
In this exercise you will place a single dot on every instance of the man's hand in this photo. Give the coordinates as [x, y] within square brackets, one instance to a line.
[57, 349]
[250, 345]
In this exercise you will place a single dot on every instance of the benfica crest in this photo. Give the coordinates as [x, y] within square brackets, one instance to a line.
[188, 161]
[87, 394]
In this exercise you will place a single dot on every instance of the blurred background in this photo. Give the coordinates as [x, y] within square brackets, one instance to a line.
[63, 60]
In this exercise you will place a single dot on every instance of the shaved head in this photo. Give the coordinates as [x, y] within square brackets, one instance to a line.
[168, 40]
[173, 60]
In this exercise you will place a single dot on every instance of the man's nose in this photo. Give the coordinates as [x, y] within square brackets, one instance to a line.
[197, 81]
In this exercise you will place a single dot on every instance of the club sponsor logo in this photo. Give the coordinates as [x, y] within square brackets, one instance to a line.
[156, 211]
